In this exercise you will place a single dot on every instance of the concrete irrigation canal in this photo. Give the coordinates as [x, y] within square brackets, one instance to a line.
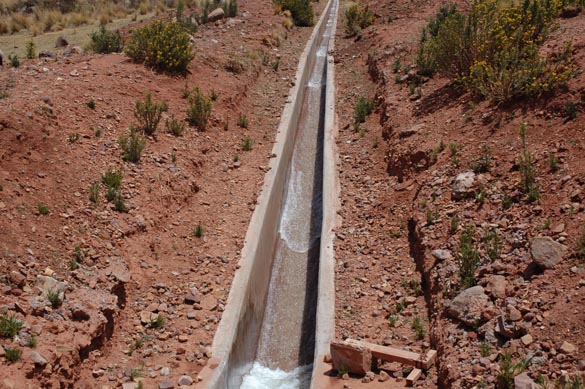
[278, 320]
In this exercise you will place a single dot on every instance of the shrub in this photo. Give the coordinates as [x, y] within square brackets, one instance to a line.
[148, 113]
[509, 370]
[301, 11]
[363, 108]
[494, 50]
[230, 8]
[162, 46]
[484, 162]
[9, 325]
[242, 121]
[132, 144]
[159, 322]
[12, 354]
[105, 42]
[31, 342]
[418, 325]
[91, 104]
[468, 258]
[356, 20]
[43, 209]
[174, 126]
[14, 61]
[198, 231]
[54, 298]
[31, 51]
[199, 110]
[94, 192]
[119, 204]
[247, 143]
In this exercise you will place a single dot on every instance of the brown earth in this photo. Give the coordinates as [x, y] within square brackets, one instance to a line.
[397, 207]
[146, 262]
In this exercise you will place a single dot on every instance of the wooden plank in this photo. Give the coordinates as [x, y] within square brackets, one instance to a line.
[430, 359]
[392, 354]
[413, 376]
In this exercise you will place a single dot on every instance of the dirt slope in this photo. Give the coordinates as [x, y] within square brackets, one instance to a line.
[398, 209]
[146, 262]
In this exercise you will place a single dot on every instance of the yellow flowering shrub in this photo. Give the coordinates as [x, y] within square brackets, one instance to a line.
[494, 51]
[160, 45]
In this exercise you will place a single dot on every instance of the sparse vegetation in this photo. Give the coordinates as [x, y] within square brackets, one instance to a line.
[363, 108]
[43, 209]
[199, 109]
[493, 243]
[468, 257]
[105, 42]
[54, 298]
[94, 192]
[392, 319]
[31, 49]
[509, 370]
[494, 50]
[527, 165]
[247, 143]
[581, 244]
[9, 325]
[31, 342]
[571, 110]
[149, 113]
[119, 204]
[242, 121]
[132, 145]
[91, 104]
[356, 20]
[112, 178]
[14, 61]
[198, 231]
[301, 11]
[418, 325]
[484, 349]
[159, 322]
[12, 354]
[484, 161]
[174, 126]
[162, 46]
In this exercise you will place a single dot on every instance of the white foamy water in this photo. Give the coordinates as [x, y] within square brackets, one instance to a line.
[261, 377]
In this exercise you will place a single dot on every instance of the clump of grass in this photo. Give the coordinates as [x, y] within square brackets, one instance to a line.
[43, 209]
[528, 170]
[14, 61]
[571, 110]
[508, 370]
[553, 164]
[31, 49]
[198, 231]
[468, 258]
[174, 126]
[363, 108]
[392, 320]
[454, 149]
[54, 298]
[493, 243]
[12, 354]
[242, 121]
[112, 178]
[132, 145]
[247, 143]
[484, 162]
[94, 192]
[159, 322]
[199, 109]
[119, 204]
[73, 137]
[484, 349]
[9, 325]
[581, 244]
[134, 374]
[91, 104]
[149, 113]
[300, 10]
[31, 342]
[418, 325]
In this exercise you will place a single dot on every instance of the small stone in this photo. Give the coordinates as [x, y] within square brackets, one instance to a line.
[441, 254]
[209, 302]
[463, 184]
[165, 371]
[522, 381]
[383, 376]
[185, 380]
[567, 348]
[97, 373]
[513, 313]
[183, 338]
[527, 340]
[130, 385]
[38, 359]
[166, 384]
[369, 377]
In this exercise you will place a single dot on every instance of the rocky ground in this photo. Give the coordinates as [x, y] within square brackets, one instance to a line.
[409, 192]
[111, 298]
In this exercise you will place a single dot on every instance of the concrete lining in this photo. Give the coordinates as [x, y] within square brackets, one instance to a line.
[242, 318]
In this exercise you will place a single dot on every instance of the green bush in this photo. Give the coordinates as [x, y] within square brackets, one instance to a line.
[105, 42]
[9, 325]
[356, 20]
[494, 51]
[148, 113]
[31, 50]
[12, 354]
[301, 11]
[112, 178]
[363, 108]
[199, 109]
[468, 258]
[175, 126]
[162, 46]
[132, 144]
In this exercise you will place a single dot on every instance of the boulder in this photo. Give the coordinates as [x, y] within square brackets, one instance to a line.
[469, 305]
[462, 184]
[185, 380]
[215, 15]
[546, 253]
[351, 357]
[61, 42]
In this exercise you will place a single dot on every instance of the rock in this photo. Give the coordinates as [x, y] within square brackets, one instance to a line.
[509, 330]
[215, 15]
[405, 133]
[61, 42]
[47, 54]
[38, 359]
[17, 279]
[526, 340]
[546, 253]
[496, 286]
[73, 50]
[209, 302]
[513, 313]
[383, 376]
[98, 373]
[369, 377]
[522, 381]
[165, 371]
[192, 297]
[166, 384]
[468, 306]
[1, 58]
[441, 254]
[147, 317]
[463, 184]
[185, 380]
[79, 313]
[351, 357]
[130, 385]
[567, 348]
[37, 305]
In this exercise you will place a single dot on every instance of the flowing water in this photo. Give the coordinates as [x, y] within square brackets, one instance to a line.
[287, 340]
